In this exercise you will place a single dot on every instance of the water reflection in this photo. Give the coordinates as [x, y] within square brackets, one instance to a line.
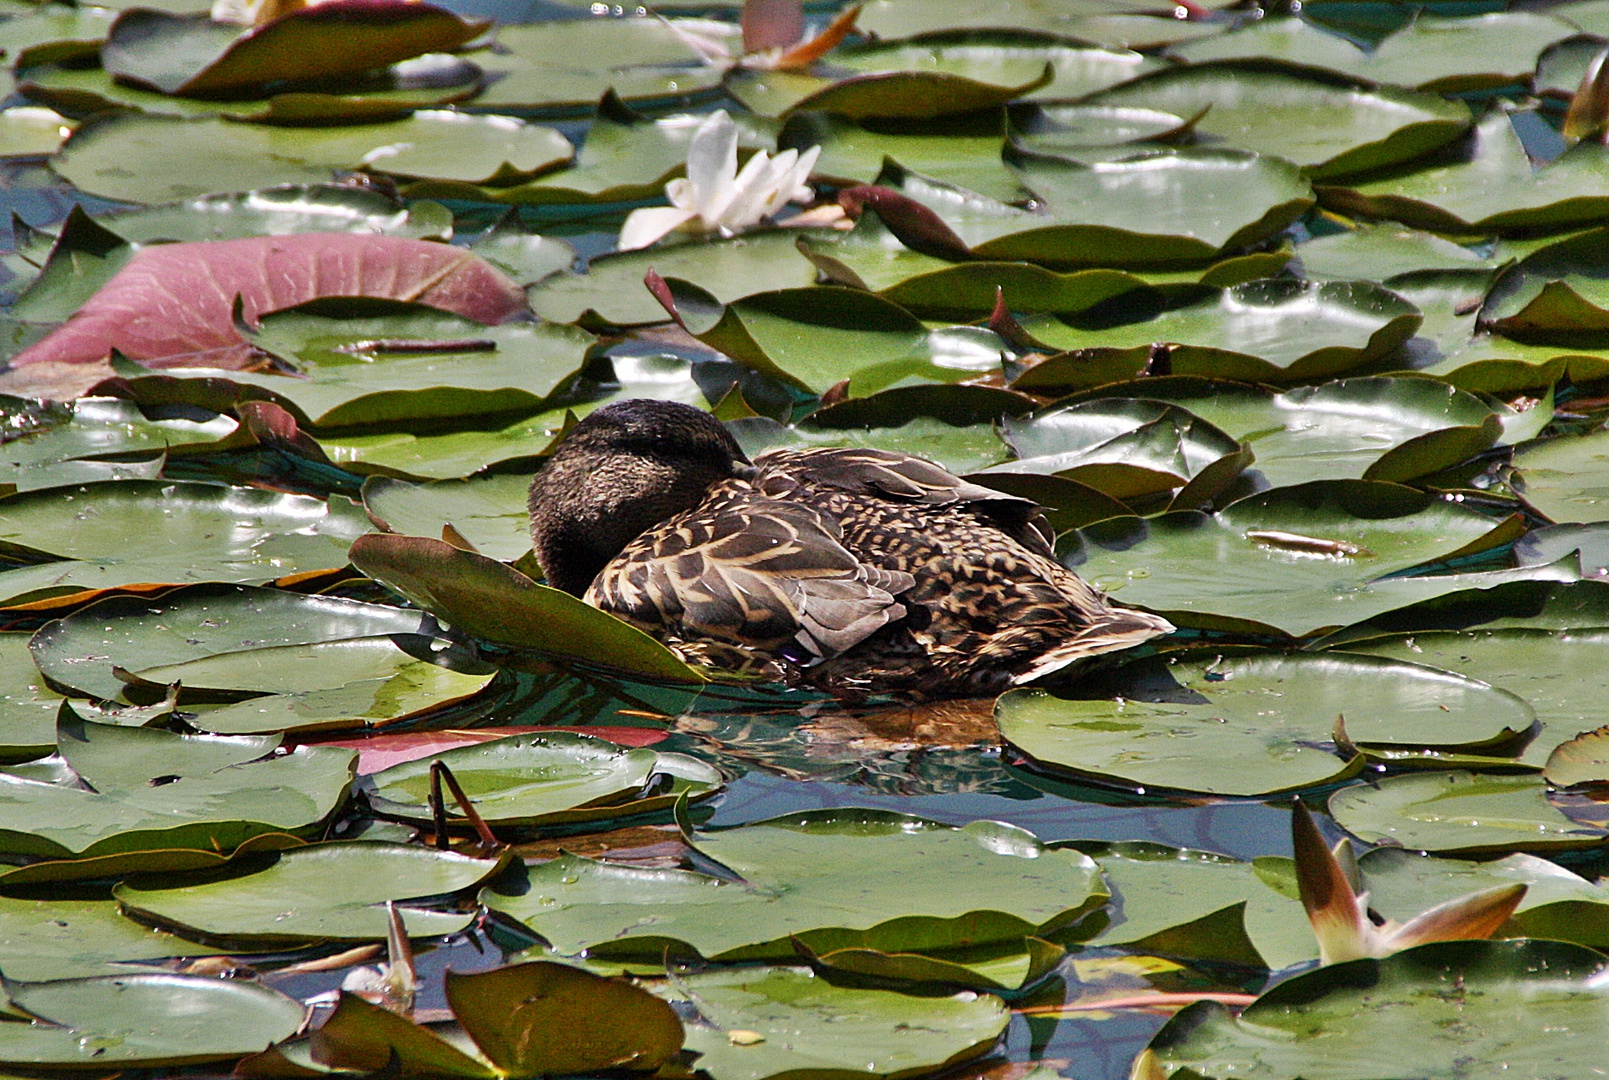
[787, 750]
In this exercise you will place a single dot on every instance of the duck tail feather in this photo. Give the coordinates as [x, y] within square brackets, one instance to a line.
[1124, 629]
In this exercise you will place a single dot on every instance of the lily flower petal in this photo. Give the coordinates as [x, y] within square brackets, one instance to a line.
[1464, 918]
[791, 186]
[754, 187]
[648, 224]
[712, 163]
[1339, 916]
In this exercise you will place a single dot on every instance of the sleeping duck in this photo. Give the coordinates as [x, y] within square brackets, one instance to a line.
[856, 571]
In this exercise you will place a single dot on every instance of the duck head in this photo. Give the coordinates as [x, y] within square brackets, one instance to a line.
[621, 471]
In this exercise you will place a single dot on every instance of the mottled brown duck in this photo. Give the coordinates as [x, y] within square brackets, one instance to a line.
[856, 571]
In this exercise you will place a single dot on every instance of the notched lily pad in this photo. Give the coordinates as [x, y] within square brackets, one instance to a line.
[1278, 330]
[1331, 125]
[144, 1021]
[1163, 210]
[1485, 1002]
[770, 1022]
[1460, 813]
[156, 790]
[1268, 722]
[553, 778]
[836, 879]
[1136, 451]
[1293, 560]
[322, 892]
[1487, 185]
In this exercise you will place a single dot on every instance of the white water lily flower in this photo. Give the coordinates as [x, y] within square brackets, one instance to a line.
[714, 197]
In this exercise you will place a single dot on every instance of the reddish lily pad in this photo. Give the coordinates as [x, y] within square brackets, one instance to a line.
[173, 303]
[193, 56]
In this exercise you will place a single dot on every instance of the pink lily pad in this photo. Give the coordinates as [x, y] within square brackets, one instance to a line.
[173, 304]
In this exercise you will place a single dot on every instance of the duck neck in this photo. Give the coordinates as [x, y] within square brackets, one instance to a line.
[585, 511]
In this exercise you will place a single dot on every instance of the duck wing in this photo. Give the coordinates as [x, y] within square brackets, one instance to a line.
[904, 478]
[765, 575]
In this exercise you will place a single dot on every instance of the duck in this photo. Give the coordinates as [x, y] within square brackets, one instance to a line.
[855, 571]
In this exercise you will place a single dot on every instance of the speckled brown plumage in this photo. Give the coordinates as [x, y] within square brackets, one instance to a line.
[859, 571]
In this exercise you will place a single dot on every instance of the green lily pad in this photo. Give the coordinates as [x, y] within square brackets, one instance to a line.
[1556, 671]
[175, 791]
[157, 159]
[922, 94]
[174, 532]
[192, 56]
[1558, 904]
[611, 291]
[1460, 813]
[775, 1022]
[144, 1021]
[389, 93]
[1279, 330]
[1557, 295]
[1118, 25]
[1293, 560]
[275, 211]
[32, 131]
[567, 65]
[1560, 477]
[71, 939]
[1489, 1006]
[854, 152]
[1578, 761]
[488, 511]
[1008, 968]
[1449, 345]
[527, 257]
[802, 337]
[1383, 251]
[1488, 186]
[93, 427]
[871, 258]
[555, 778]
[54, 32]
[834, 879]
[323, 892]
[220, 626]
[1130, 450]
[1254, 725]
[448, 455]
[409, 365]
[27, 707]
[342, 684]
[1284, 40]
[626, 157]
[1473, 52]
[961, 449]
[1372, 428]
[1166, 898]
[1331, 126]
[1162, 210]
[1001, 58]
[497, 603]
